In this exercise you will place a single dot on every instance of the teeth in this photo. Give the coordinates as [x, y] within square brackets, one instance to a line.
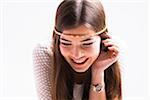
[78, 61]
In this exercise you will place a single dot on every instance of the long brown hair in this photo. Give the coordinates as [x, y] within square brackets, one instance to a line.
[71, 14]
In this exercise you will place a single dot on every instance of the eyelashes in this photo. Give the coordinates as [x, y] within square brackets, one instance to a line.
[69, 44]
[88, 43]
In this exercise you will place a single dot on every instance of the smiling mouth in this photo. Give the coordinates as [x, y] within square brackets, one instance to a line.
[79, 62]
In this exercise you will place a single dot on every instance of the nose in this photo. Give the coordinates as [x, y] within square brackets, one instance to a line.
[77, 53]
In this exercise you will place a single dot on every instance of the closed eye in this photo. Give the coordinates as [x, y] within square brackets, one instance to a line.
[88, 43]
[65, 43]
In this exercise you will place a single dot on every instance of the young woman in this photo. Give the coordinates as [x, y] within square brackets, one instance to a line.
[82, 61]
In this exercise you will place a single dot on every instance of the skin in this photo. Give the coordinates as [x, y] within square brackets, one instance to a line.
[77, 51]
[98, 60]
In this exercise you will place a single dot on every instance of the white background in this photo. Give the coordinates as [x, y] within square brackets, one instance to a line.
[24, 23]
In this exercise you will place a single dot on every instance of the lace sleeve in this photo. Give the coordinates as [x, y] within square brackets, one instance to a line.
[42, 71]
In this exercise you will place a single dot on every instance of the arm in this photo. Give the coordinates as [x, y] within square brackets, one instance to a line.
[41, 60]
[97, 79]
[105, 59]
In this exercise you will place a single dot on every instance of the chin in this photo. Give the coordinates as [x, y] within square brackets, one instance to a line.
[83, 68]
[80, 70]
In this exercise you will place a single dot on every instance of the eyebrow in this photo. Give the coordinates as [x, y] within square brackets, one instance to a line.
[65, 40]
[88, 39]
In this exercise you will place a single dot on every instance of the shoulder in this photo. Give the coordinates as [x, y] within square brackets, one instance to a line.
[40, 49]
[43, 70]
[42, 55]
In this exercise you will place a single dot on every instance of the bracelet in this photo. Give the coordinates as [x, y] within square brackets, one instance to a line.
[97, 87]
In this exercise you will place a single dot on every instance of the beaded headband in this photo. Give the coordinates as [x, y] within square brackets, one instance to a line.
[97, 33]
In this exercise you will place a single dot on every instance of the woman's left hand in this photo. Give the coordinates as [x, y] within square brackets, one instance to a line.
[106, 58]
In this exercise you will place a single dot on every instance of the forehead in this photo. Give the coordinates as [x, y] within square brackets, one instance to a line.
[78, 31]
[81, 31]
[78, 38]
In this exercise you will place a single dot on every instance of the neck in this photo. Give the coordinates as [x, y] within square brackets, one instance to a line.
[80, 77]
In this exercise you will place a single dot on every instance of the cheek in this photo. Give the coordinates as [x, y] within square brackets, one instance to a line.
[63, 51]
[94, 52]
[96, 47]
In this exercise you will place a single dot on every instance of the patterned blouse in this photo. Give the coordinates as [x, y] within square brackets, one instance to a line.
[42, 59]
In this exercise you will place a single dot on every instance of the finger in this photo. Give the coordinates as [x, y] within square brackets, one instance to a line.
[109, 44]
[114, 50]
[105, 36]
[107, 40]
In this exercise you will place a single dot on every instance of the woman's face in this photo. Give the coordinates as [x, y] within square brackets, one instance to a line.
[79, 48]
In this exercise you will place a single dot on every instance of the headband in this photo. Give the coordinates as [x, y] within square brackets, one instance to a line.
[97, 33]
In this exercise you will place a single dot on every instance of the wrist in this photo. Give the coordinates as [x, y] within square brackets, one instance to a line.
[97, 82]
[97, 77]
[98, 87]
